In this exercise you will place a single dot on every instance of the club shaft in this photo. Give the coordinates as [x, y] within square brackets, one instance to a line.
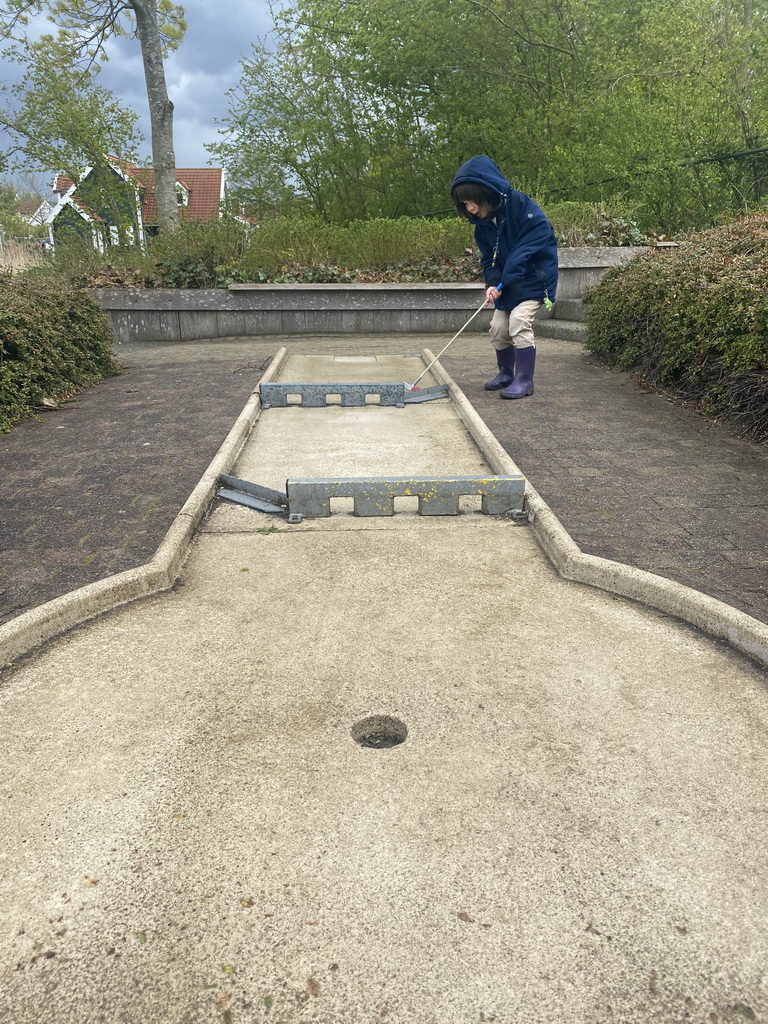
[426, 369]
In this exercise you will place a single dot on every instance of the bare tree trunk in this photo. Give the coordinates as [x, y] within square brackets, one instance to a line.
[160, 113]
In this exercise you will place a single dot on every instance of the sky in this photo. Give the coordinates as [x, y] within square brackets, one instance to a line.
[199, 73]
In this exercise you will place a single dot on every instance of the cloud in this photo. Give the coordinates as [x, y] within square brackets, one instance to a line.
[198, 73]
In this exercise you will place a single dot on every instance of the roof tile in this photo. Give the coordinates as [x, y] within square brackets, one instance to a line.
[204, 185]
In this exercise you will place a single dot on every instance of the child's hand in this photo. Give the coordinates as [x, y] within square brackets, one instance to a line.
[492, 293]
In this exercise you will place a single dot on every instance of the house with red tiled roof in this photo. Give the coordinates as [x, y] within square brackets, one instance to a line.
[34, 211]
[115, 202]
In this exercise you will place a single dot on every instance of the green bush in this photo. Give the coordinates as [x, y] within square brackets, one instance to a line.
[611, 223]
[53, 343]
[281, 249]
[210, 254]
[307, 249]
[693, 320]
[278, 245]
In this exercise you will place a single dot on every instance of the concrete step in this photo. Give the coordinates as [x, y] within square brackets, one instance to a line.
[569, 309]
[566, 330]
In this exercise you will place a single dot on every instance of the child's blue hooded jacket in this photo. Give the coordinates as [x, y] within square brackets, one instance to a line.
[526, 260]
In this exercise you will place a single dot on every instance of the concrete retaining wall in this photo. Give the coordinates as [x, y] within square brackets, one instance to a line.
[580, 268]
[171, 314]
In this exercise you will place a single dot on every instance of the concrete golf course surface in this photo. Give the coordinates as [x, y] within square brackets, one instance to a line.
[572, 831]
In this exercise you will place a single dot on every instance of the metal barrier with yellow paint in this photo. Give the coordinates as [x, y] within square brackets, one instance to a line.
[375, 496]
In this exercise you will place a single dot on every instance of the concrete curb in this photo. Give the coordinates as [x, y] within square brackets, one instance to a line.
[34, 627]
[741, 631]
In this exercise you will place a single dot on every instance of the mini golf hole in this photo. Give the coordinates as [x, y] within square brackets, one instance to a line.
[379, 732]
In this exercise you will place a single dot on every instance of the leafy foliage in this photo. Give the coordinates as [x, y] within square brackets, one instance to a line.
[53, 343]
[73, 55]
[310, 249]
[219, 253]
[366, 110]
[85, 26]
[693, 320]
[61, 120]
[609, 224]
[12, 224]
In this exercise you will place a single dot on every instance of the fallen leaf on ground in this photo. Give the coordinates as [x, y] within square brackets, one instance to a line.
[745, 1011]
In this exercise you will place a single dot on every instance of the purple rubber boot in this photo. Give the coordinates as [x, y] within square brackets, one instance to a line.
[505, 359]
[522, 385]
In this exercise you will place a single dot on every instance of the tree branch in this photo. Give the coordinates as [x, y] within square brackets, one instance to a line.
[514, 31]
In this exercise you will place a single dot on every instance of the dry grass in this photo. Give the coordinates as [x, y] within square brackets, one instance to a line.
[16, 256]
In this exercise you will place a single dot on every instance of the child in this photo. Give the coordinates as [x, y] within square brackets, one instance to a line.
[519, 256]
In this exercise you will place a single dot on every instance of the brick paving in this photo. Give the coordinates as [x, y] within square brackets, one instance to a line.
[90, 489]
[633, 476]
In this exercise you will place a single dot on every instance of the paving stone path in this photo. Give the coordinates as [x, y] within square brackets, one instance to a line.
[90, 489]
[634, 477]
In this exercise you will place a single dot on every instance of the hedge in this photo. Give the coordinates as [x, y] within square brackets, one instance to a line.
[306, 250]
[54, 341]
[693, 321]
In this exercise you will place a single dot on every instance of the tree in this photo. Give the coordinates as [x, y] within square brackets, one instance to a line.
[59, 118]
[84, 27]
[11, 222]
[367, 109]
[341, 108]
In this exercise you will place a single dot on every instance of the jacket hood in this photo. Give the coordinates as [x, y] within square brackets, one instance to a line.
[482, 171]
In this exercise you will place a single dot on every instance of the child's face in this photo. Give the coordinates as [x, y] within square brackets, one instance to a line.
[476, 209]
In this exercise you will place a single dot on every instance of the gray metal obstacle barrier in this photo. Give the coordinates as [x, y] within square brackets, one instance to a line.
[375, 496]
[315, 396]
[311, 499]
